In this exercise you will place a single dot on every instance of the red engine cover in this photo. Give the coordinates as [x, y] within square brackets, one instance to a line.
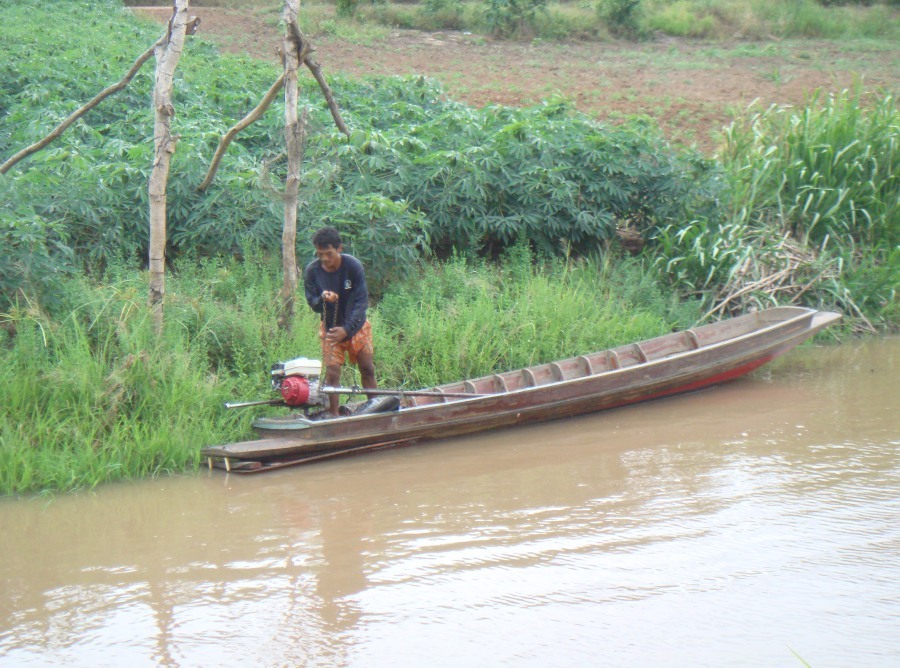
[295, 390]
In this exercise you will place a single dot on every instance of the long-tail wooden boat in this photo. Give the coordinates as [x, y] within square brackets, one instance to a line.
[662, 366]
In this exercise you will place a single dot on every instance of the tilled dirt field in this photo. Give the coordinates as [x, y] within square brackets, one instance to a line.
[692, 89]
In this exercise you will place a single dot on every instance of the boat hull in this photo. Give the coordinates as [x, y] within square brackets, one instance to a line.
[647, 370]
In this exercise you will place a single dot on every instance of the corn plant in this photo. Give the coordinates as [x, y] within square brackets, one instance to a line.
[825, 177]
[828, 173]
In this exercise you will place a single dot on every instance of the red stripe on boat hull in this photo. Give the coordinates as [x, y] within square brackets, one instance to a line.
[737, 372]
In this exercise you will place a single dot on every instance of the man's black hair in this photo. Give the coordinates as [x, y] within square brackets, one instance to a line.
[327, 236]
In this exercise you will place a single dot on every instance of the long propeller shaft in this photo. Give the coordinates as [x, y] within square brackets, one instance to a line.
[397, 393]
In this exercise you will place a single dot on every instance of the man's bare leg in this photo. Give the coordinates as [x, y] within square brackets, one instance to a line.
[333, 379]
[365, 361]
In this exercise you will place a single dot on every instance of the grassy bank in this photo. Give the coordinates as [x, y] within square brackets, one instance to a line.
[95, 396]
[801, 208]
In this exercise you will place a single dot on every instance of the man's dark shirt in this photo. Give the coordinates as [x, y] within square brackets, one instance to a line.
[349, 282]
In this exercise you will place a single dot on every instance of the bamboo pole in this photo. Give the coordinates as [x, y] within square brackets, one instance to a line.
[293, 136]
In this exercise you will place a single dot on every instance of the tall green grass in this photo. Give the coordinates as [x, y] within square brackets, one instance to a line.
[465, 319]
[96, 396]
[828, 173]
[814, 213]
[84, 403]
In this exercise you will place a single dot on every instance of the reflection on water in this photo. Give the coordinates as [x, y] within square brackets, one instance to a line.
[733, 526]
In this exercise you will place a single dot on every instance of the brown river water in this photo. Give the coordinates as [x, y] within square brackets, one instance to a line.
[752, 524]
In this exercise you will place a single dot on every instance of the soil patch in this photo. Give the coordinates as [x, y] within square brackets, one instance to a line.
[691, 89]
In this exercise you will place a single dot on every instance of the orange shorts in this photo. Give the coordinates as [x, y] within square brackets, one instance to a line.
[333, 353]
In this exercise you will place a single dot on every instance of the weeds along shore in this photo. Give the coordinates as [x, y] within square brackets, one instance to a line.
[95, 396]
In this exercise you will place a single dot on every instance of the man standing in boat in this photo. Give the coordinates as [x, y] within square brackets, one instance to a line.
[335, 284]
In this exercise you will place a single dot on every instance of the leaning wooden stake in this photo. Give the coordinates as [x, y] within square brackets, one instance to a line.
[250, 118]
[167, 54]
[81, 111]
[306, 49]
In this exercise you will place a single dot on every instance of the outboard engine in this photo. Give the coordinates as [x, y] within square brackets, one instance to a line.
[298, 382]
